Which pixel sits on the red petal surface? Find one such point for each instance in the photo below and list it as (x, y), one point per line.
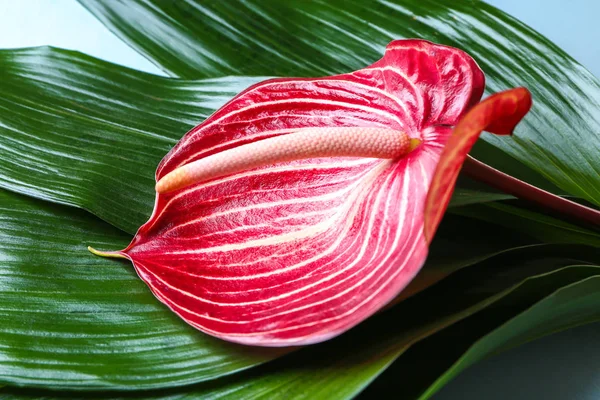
(298, 252)
(498, 114)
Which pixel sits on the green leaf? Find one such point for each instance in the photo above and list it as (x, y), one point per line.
(330, 371)
(194, 39)
(76, 305)
(462, 242)
(543, 227)
(72, 320)
(523, 315)
(80, 131)
(569, 306)
(473, 192)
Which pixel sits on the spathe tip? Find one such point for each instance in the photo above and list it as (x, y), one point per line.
(107, 254)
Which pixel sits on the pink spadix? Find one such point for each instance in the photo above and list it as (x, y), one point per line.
(305, 205)
(306, 143)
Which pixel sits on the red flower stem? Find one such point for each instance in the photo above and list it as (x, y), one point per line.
(522, 190)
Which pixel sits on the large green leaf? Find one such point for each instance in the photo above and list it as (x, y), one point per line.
(85, 132)
(71, 320)
(564, 298)
(570, 306)
(330, 371)
(560, 138)
(77, 305)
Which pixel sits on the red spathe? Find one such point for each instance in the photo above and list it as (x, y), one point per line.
(296, 253)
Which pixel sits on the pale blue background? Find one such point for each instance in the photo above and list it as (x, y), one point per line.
(564, 366)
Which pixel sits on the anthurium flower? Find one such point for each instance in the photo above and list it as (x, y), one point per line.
(303, 206)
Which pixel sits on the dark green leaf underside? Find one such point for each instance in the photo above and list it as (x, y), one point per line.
(570, 306)
(533, 223)
(541, 305)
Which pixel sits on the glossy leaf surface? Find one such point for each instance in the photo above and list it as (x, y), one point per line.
(75, 301)
(80, 131)
(70, 320)
(571, 290)
(192, 38)
(329, 371)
